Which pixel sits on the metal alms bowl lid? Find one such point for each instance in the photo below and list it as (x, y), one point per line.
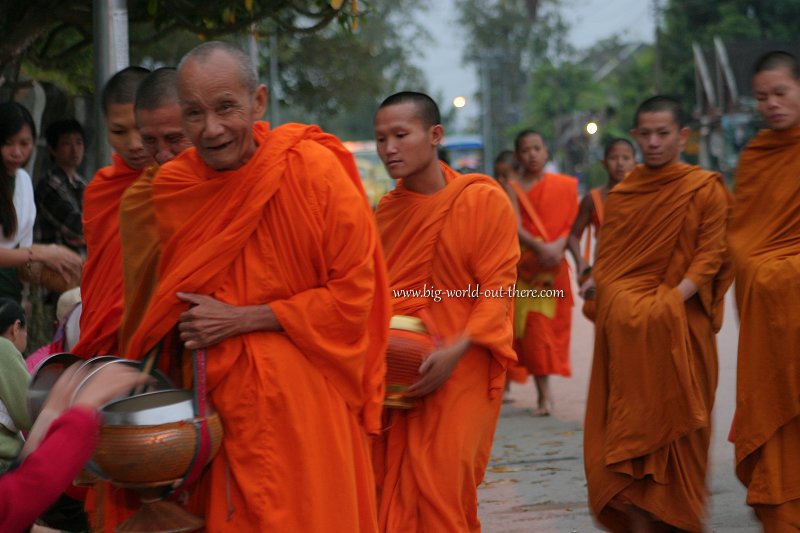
(150, 409)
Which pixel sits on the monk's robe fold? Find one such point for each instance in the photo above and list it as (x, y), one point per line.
(654, 374)
(544, 347)
(764, 236)
(101, 284)
(140, 252)
(431, 459)
(291, 228)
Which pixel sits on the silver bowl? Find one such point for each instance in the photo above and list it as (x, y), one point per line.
(150, 409)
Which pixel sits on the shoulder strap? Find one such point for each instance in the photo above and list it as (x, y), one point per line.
(527, 206)
(598, 204)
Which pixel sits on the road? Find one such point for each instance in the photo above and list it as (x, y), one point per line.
(536, 482)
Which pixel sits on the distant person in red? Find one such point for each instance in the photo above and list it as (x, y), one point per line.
(548, 204)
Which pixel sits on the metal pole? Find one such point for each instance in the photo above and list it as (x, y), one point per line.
(274, 81)
(110, 56)
(486, 107)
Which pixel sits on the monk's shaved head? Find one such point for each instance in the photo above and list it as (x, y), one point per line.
(205, 51)
(122, 87)
(775, 60)
(660, 103)
(525, 133)
(427, 110)
(507, 157)
(158, 89)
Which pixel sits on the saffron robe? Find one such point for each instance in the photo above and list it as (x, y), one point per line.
(764, 236)
(292, 229)
(101, 283)
(430, 459)
(544, 348)
(654, 372)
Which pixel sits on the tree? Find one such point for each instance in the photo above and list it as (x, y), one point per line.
(57, 34)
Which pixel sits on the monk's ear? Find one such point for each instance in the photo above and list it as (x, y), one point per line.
(437, 134)
(260, 101)
(684, 133)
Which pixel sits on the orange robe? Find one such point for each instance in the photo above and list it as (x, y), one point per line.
(101, 285)
(140, 252)
(544, 348)
(431, 459)
(291, 228)
(764, 236)
(654, 374)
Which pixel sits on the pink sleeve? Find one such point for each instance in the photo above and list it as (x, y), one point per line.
(28, 491)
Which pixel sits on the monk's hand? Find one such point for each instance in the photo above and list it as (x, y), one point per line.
(208, 321)
(550, 253)
(436, 369)
(687, 288)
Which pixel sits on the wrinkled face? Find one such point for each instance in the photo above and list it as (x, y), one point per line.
(68, 153)
(659, 137)
(17, 150)
(124, 137)
(405, 144)
(778, 96)
(162, 132)
(619, 161)
(218, 111)
(532, 153)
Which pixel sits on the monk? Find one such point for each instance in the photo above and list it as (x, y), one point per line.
(764, 237)
(548, 203)
(618, 160)
(101, 285)
(158, 117)
(450, 231)
(660, 277)
(260, 269)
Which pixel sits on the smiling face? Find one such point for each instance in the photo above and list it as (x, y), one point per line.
(162, 132)
(778, 94)
(660, 138)
(218, 110)
(17, 150)
(405, 144)
(124, 137)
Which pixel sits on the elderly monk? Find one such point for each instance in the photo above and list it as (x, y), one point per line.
(101, 285)
(618, 160)
(158, 116)
(271, 261)
(764, 236)
(450, 231)
(661, 274)
(548, 204)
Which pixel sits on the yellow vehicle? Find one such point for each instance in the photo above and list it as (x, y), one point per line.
(373, 174)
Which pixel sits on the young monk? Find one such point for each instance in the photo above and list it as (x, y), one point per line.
(660, 275)
(260, 267)
(764, 236)
(618, 160)
(101, 284)
(548, 203)
(158, 117)
(450, 231)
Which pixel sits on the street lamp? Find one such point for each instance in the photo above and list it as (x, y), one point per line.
(591, 128)
(459, 102)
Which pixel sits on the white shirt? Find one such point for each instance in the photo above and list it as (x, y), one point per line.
(25, 206)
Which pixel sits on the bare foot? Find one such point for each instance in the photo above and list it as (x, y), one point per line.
(540, 411)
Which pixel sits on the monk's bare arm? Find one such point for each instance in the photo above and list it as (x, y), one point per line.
(711, 246)
(210, 321)
(525, 238)
(578, 227)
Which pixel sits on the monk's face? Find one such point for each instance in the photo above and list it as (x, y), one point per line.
(124, 137)
(532, 153)
(619, 161)
(405, 144)
(162, 132)
(660, 138)
(504, 171)
(219, 110)
(778, 94)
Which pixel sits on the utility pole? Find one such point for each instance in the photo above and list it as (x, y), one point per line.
(657, 19)
(274, 81)
(110, 56)
(486, 119)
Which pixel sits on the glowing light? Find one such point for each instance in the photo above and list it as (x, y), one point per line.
(591, 128)
(459, 102)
